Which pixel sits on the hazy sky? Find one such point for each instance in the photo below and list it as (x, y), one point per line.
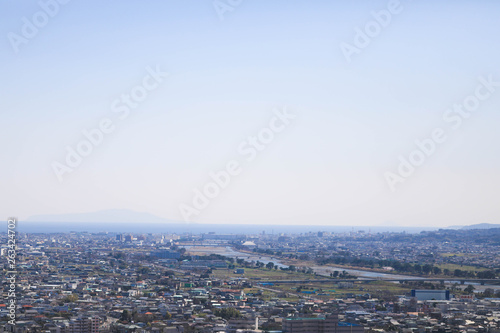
(230, 66)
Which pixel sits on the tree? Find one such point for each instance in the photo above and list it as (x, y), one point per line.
(270, 265)
(488, 292)
(70, 298)
(427, 268)
(486, 275)
(227, 313)
(470, 289)
(119, 255)
(143, 270)
(125, 316)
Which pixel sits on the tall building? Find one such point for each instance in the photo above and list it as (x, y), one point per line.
(427, 295)
(84, 325)
(330, 324)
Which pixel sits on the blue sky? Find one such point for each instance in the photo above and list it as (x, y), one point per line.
(353, 119)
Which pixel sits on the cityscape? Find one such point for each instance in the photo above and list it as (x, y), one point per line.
(433, 281)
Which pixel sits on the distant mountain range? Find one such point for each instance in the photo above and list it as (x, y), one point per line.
(103, 216)
(475, 226)
(126, 216)
(121, 219)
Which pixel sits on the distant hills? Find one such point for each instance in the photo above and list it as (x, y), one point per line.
(121, 220)
(475, 226)
(103, 216)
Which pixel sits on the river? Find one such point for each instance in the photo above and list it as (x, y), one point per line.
(320, 270)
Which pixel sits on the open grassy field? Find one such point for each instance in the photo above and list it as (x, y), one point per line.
(322, 290)
(452, 267)
(264, 274)
(452, 255)
(205, 250)
(327, 291)
(268, 295)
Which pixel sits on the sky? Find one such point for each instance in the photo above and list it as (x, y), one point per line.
(304, 112)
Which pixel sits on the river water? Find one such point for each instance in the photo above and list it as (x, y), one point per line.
(320, 270)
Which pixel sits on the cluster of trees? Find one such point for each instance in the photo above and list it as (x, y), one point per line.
(342, 275)
(227, 313)
(489, 292)
(478, 236)
(206, 257)
(271, 265)
(377, 263)
(70, 299)
(127, 316)
(404, 267)
(267, 251)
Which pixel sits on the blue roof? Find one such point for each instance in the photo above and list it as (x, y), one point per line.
(344, 324)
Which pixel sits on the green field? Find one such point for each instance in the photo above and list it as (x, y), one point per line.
(452, 255)
(452, 267)
(264, 274)
(332, 290)
(329, 289)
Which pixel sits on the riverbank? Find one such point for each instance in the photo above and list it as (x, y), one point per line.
(319, 270)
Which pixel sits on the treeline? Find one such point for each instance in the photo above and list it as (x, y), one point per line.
(477, 236)
(267, 251)
(412, 268)
(205, 257)
(342, 275)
